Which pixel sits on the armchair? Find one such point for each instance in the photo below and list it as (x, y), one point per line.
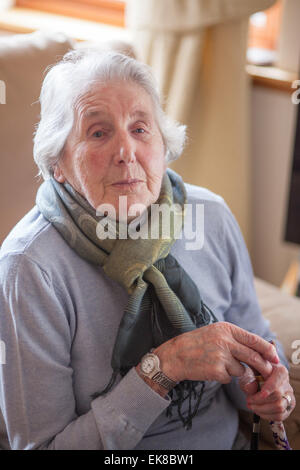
(23, 59)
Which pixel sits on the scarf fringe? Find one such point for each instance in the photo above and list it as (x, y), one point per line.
(190, 388)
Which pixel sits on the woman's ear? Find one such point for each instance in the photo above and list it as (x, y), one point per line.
(58, 174)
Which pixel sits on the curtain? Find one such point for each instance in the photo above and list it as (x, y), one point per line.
(197, 50)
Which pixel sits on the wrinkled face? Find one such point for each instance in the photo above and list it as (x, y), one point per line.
(115, 147)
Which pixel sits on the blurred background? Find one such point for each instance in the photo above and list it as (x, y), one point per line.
(227, 69)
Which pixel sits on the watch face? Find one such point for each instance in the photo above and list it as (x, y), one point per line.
(148, 364)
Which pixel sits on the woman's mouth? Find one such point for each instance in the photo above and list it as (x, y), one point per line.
(130, 183)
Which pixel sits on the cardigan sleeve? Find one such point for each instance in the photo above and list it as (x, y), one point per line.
(36, 391)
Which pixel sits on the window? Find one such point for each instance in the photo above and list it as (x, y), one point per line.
(264, 29)
(104, 11)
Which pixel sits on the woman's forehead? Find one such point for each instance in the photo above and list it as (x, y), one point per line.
(106, 100)
(91, 114)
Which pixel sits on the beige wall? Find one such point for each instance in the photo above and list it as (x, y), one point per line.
(273, 121)
(273, 127)
(289, 44)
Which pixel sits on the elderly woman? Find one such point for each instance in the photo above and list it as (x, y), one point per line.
(126, 341)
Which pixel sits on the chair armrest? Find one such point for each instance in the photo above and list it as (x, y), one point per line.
(283, 312)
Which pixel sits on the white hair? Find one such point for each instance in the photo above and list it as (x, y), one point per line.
(74, 76)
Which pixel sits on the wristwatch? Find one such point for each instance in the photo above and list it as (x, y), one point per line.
(150, 367)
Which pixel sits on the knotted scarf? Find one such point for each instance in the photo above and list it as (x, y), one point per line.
(163, 301)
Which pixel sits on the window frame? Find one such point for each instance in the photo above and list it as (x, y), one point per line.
(104, 11)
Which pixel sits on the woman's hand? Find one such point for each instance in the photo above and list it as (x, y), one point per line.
(269, 403)
(214, 352)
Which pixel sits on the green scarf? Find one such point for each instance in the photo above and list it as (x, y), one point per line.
(163, 301)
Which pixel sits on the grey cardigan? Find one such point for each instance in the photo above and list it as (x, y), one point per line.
(59, 317)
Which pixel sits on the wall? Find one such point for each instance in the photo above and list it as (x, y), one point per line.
(273, 131)
(289, 44)
(272, 139)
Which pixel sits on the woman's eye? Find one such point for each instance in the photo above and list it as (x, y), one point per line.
(139, 130)
(98, 134)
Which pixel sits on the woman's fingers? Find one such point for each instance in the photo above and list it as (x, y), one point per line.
(235, 368)
(276, 400)
(247, 382)
(275, 410)
(254, 342)
(251, 358)
(274, 386)
(279, 379)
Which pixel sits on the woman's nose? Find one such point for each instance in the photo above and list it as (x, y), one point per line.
(125, 150)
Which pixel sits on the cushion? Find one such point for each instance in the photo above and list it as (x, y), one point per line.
(23, 60)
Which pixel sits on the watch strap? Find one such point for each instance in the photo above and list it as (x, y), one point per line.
(160, 378)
